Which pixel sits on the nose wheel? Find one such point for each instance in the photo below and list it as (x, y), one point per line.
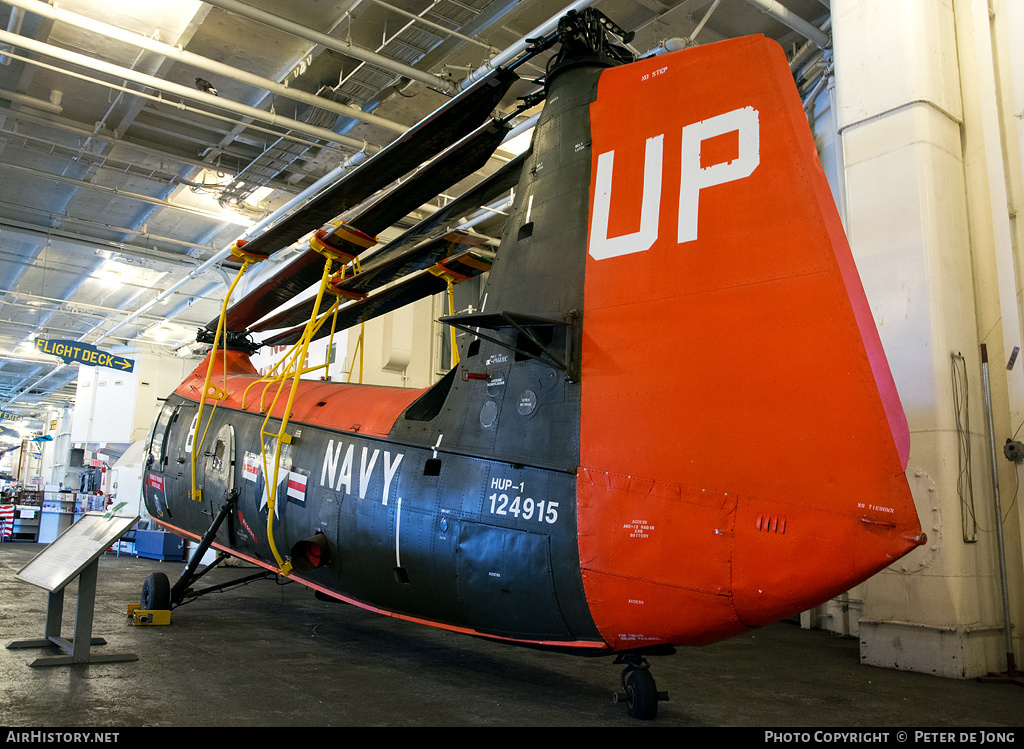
(639, 691)
(156, 593)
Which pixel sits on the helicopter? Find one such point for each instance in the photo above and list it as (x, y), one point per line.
(671, 420)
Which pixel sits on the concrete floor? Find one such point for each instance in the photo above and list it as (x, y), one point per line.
(272, 655)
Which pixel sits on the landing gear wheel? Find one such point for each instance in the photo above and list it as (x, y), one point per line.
(638, 689)
(156, 593)
(641, 695)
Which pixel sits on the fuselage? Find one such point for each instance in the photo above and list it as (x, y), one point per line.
(466, 542)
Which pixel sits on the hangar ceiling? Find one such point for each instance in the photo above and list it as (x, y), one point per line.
(139, 140)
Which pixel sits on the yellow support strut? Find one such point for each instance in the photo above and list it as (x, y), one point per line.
(299, 352)
(212, 391)
(451, 278)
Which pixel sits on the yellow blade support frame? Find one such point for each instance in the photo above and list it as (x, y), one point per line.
(297, 356)
(451, 278)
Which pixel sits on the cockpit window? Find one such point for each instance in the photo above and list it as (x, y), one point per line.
(158, 436)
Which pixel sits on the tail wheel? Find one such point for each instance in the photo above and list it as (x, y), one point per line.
(641, 695)
(156, 593)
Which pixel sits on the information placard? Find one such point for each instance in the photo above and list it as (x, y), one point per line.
(61, 561)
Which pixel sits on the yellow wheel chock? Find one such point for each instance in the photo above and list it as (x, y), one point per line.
(144, 616)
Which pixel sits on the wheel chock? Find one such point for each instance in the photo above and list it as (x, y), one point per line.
(144, 616)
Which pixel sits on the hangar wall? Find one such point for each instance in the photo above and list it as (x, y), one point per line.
(924, 94)
(119, 407)
(408, 348)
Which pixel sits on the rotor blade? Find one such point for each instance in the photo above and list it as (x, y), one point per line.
(444, 220)
(411, 289)
(287, 283)
(414, 240)
(450, 167)
(384, 270)
(446, 125)
(455, 163)
(373, 276)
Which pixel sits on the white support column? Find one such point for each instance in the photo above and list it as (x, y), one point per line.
(915, 229)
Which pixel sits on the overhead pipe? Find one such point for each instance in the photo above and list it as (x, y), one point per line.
(810, 56)
(159, 202)
(522, 45)
(190, 58)
(338, 45)
(11, 298)
(1011, 665)
(488, 211)
(784, 15)
(704, 20)
(812, 97)
(674, 44)
(97, 244)
(159, 98)
(678, 43)
(14, 26)
(809, 49)
(837, 150)
(31, 101)
(178, 90)
(522, 127)
(14, 399)
(436, 26)
(105, 136)
(15, 134)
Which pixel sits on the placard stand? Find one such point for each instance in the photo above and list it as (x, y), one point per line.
(75, 553)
